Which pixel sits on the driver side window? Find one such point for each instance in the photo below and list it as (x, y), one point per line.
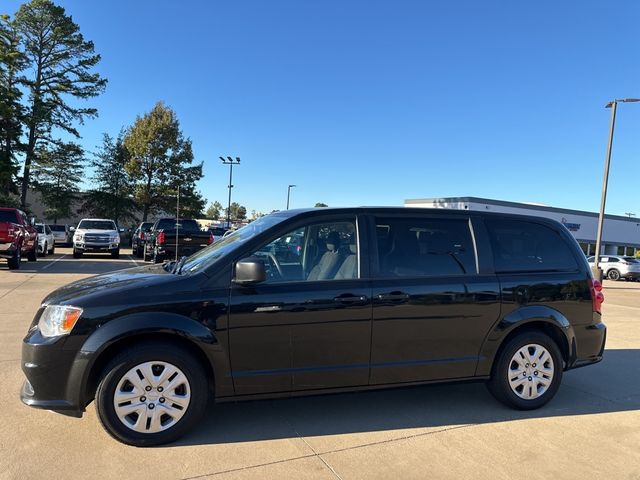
(316, 252)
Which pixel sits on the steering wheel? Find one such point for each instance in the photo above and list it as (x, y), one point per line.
(273, 261)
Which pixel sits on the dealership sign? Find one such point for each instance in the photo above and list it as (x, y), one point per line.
(573, 227)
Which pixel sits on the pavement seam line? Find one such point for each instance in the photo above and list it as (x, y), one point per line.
(318, 455)
(338, 450)
(54, 262)
(18, 286)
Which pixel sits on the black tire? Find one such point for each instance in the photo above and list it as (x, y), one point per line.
(53, 249)
(14, 262)
(32, 256)
(44, 250)
(77, 253)
(115, 253)
(499, 383)
(136, 355)
(613, 274)
(157, 258)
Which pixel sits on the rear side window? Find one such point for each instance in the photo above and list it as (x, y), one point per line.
(520, 246)
(8, 216)
(418, 247)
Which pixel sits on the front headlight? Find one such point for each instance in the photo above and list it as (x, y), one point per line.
(58, 320)
(78, 237)
(115, 239)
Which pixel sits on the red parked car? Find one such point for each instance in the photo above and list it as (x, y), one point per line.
(18, 237)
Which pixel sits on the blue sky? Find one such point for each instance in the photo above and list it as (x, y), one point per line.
(370, 103)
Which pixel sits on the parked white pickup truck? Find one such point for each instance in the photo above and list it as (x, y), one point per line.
(96, 235)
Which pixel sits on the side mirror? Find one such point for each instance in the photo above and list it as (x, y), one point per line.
(250, 270)
(32, 221)
(72, 229)
(121, 230)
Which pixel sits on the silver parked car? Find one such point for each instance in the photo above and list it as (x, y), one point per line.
(62, 234)
(615, 267)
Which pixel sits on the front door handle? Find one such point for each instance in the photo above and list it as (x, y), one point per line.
(392, 297)
(350, 299)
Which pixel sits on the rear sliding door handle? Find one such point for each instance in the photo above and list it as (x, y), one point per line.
(351, 299)
(392, 297)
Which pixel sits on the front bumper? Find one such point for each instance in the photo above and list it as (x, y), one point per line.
(7, 250)
(51, 372)
(96, 247)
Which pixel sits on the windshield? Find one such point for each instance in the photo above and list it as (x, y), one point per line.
(97, 225)
(57, 228)
(208, 256)
(146, 226)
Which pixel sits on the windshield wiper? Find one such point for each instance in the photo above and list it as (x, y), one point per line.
(178, 266)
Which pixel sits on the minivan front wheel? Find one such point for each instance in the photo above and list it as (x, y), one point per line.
(527, 372)
(151, 394)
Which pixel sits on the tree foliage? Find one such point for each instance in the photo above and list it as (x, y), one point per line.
(238, 212)
(112, 192)
(320, 205)
(12, 62)
(60, 64)
(214, 211)
(159, 160)
(56, 176)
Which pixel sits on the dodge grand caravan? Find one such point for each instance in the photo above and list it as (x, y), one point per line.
(368, 298)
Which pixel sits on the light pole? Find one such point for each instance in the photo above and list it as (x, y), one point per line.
(289, 194)
(229, 161)
(629, 214)
(177, 220)
(597, 271)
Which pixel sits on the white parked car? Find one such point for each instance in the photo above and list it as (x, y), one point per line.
(616, 267)
(96, 235)
(46, 241)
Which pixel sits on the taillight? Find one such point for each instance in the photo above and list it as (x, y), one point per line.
(211, 238)
(160, 238)
(11, 234)
(597, 297)
(141, 235)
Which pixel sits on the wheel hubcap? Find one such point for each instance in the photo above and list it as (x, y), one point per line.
(531, 371)
(152, 397)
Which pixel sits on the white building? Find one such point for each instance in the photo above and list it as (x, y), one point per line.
(620, 235)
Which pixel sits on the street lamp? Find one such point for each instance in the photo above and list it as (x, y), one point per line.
(289, 194)
(229, 161)
(597, 271)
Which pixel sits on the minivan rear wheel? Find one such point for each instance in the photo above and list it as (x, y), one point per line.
(151, 394)
(527, 372)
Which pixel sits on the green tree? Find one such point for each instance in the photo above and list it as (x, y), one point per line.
(12, 62)
(159, 161)
(57, 174)
(112, 192)
(238, 212)
(320, 205)
(214, 210)
(60, 66)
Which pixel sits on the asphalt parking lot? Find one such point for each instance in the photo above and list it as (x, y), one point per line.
(590, 430)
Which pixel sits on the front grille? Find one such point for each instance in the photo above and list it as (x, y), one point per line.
(95, 238)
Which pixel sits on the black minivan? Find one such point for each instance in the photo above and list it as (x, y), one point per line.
(316, 301)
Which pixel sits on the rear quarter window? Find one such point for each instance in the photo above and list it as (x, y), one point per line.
(8, 216)
(521, 246)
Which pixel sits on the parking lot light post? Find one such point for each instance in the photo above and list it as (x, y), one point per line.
(229, 161)
(289, 194)
(597, 271)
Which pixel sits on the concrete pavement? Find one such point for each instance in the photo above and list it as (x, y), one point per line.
(590, 430)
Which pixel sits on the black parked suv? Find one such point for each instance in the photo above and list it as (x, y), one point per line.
(366, 297)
